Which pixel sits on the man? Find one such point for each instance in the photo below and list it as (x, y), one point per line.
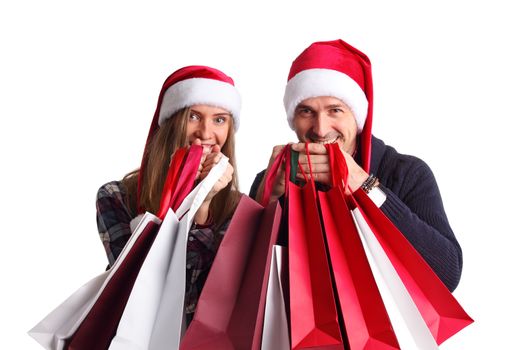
(329, 98)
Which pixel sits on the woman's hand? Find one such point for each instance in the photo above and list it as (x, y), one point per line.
(209, 160)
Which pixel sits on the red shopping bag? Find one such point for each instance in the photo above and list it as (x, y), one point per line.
(364, 319)
(230, 310)
(186, 179)
(443, 315)
(313, 313)
(100, 325)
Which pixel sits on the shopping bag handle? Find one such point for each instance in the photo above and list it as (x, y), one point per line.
(290, 158)
(339, 172)
(192, 202)
(271, 175)
(338, 167)
(309, 181)
(294, 165)
(187, 176)
(180, 178)
(171, 179)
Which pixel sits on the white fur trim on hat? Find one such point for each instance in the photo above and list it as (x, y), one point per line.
(325, 82)
(195, 91)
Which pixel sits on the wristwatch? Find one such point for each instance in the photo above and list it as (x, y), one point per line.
(371, 187)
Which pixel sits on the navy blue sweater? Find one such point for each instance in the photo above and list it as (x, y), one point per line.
(414, 205)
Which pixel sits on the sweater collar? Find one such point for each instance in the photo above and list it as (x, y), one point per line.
(378, 150)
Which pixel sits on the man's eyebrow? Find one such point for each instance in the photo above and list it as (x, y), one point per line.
(300, 105)
(337, 105)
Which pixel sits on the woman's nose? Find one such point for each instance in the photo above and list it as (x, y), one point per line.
(204, 130)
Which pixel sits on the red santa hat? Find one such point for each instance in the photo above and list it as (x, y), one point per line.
(189, 86)
(194, 85)
(336, 69)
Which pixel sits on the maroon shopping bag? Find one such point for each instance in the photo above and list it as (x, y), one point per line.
(230, 310)
(100, 325)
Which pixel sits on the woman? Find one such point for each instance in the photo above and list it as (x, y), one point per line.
(197, 105)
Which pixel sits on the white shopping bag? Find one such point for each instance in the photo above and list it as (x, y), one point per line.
(409, 326)
(154, 314)
(64, 320)
(275, 326)
(139, 314)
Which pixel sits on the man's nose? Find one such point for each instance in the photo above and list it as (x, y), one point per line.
(321, 126)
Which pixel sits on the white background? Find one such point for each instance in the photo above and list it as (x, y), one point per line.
(79, 83)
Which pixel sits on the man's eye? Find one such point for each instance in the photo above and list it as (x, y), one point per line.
(305, 111)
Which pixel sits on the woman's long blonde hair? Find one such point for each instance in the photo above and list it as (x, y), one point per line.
(171, 136)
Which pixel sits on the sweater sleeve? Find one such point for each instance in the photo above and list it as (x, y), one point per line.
(113, 219)
(256, 183)
(415, 206)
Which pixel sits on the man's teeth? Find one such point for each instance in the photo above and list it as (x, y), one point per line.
(328, 141)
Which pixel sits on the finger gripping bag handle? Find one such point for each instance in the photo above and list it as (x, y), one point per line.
(291, 160)
(292, 167)
(339, 172)
(310, 181)
(271, 175)
(338, 167)
(192, 202)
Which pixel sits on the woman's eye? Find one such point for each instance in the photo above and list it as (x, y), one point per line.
(194, 117)
(221, 119)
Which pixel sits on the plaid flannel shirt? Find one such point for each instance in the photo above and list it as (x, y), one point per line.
(113, 220)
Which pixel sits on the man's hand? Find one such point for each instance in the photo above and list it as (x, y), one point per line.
(320, 162)
(278, 186)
